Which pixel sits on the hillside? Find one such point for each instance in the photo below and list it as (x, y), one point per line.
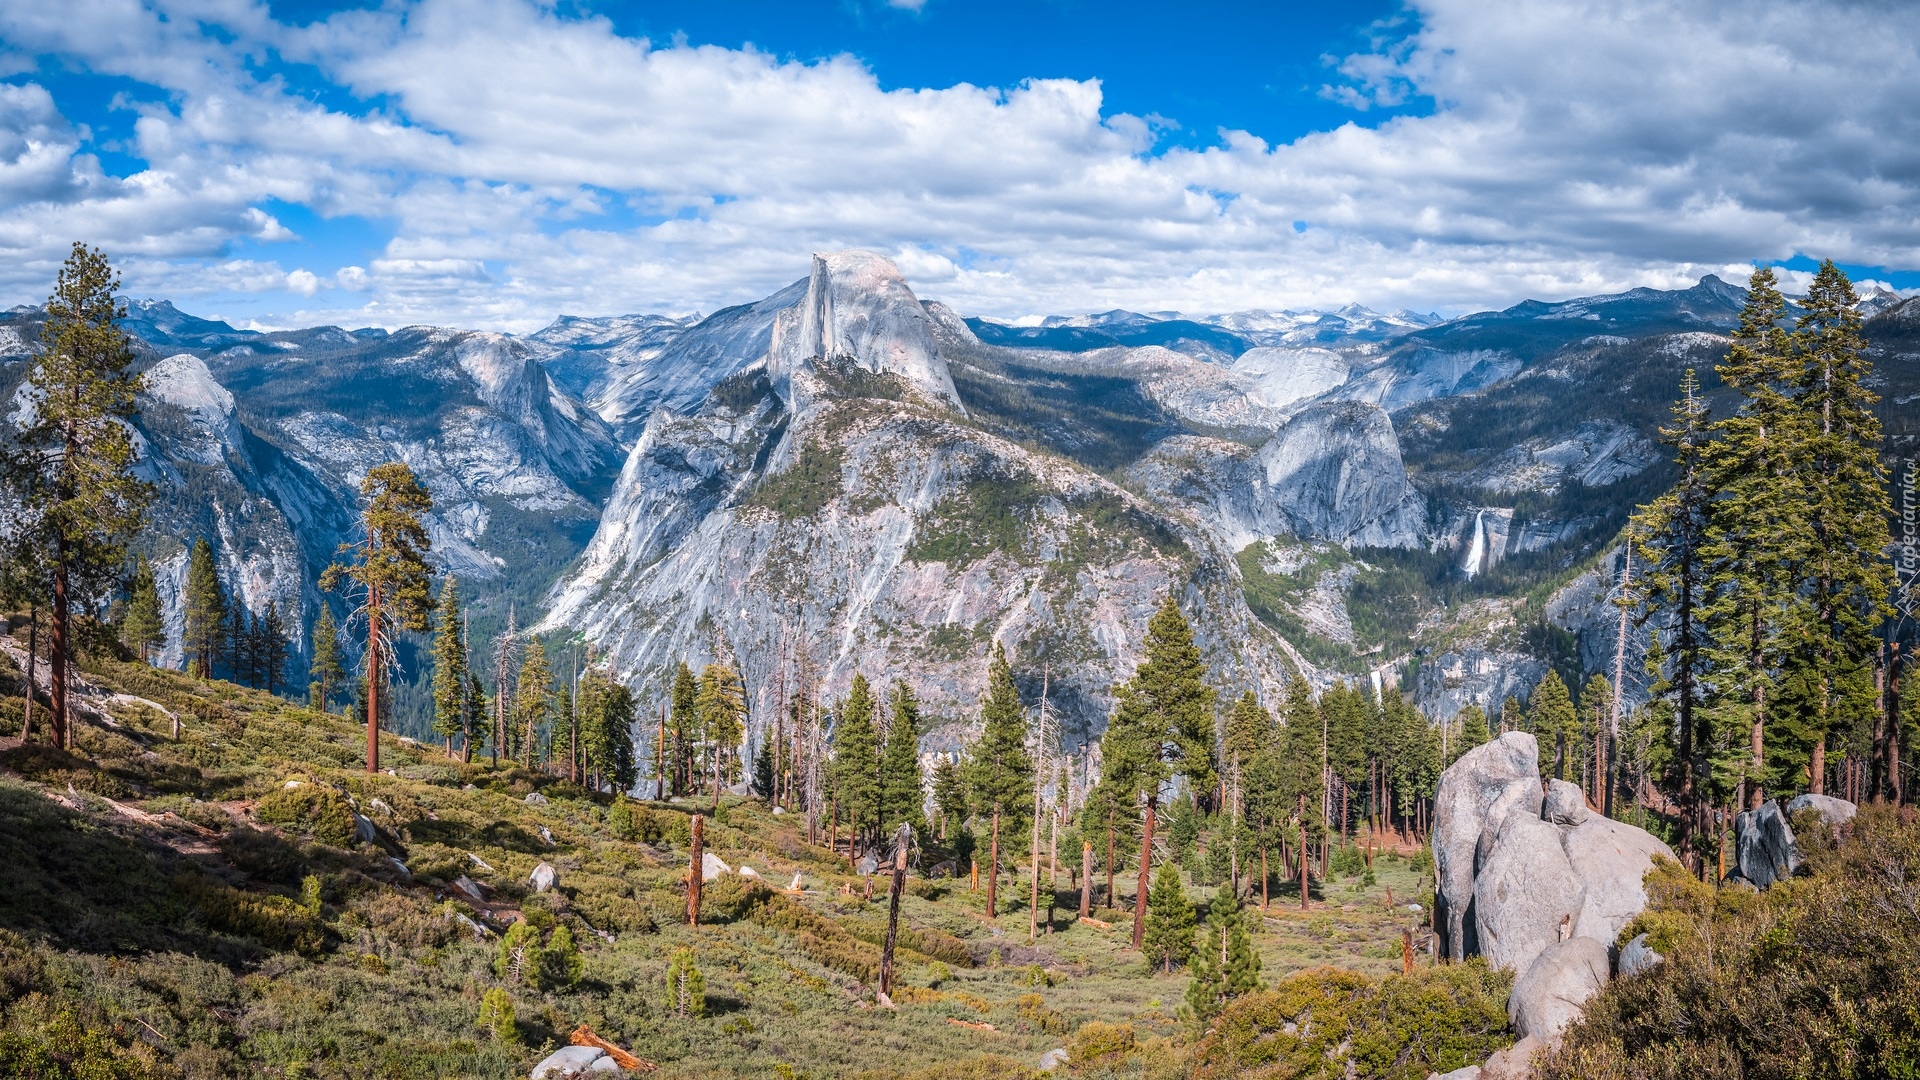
(200, 906)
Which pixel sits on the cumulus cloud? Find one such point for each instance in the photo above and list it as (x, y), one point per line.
(533, 162)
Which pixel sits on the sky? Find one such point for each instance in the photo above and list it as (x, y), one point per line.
(495, 163)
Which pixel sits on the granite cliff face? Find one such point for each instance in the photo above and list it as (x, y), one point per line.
(832, 506)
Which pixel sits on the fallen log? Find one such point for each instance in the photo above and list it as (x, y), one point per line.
(584, 1036)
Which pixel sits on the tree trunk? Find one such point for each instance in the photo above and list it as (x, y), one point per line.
(57, 650)
(694, 875)
(373, 680)
(1086, 878)
(1817, 768)
(901, 838)
(993, 868)
(1033, 899)
(1263, 877)
(1146, 869)
(33, 643)
(1111, 903)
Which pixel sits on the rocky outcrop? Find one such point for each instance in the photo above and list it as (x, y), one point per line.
(1501, 774)
(1556, 986)
(1637, 956)
(1549, 884)
(1335, 473)
(1835, 812)
(1764, 846)
(572, 1061)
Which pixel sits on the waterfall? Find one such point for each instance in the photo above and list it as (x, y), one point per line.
(1477, 550)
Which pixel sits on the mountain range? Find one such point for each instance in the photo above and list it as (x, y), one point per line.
(844, 477)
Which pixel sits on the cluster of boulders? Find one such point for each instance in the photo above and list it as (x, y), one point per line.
(1534, 880)
(1537, 882)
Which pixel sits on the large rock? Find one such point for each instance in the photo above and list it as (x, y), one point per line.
(1527, 895)
(712, 866)
(1498, 772)
(1513, 1063)
(1565, 803)
(1465, 1072)
(574, 1061)
(1835, 812)
(544, 877)
(1556, 986)
(1764, 843)
(1637, 956)
(1611, 859)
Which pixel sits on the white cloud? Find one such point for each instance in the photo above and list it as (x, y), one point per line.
(1575, 146)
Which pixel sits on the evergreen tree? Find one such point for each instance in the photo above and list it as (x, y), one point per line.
(1596, 709)
(534, 708)
(328, 673)
(392, 572)
(1554, 720)
(616, 723)
(901, 791)
(1162, 726)
(273, 646)
(763, 770)
(236, 628)
(999, 770)
(142, 630)
(1756, 530)
(68, 470)
(1169, 926)
(1472, 724)
(949, 794)
(1226, 964)
(722, 702)
(1512, 717)
(686, 987)
(1846, 578)
(205, 611)
(1670, 536)
(449, 667)
(1249, 729)
(856, 761)
(477, 716)
(683, 726)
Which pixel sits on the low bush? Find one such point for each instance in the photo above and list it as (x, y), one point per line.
(1330, 1022)
(314, 809)
(1813, 977)
(277, 922)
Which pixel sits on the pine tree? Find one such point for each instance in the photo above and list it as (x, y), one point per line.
(1472, 723)
(1553, 718)
(901, 791)
(1226, 964)
(1596, 708)
(142, 630)
(328, 673)
(1512, 717)
(999, 770)
(684, 726)
(1162, 726)
(1756, 529)
(856, 761)
(235, 629)
(1169, 927)
(206, 609)
(616, 725)
(949, 795)
(534, 705)
(273, 646)
(686, 987)
(1846, 578)
(477, 715)
(449, 667)
(1670, 536)
(722, 701)
(763, 770)
(392, 572)
(69, 468)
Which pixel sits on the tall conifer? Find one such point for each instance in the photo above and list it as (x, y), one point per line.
(449, 667)
(999, 770)
(856, 761)
(901, 789)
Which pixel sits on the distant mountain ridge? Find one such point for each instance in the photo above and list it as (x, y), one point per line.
(844, 468)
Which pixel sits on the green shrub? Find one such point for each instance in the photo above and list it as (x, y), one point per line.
(686, 987)
(496, 1016)
(262, 855)
(314, 809)
(560, 962)
(274, 921)
(1330, 1021)
(1813, 977)
(730, 897)
(1096, 1043)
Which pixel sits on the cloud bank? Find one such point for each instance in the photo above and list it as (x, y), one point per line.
(521, 163)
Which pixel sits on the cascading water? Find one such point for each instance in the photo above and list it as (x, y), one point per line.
(1476, 551)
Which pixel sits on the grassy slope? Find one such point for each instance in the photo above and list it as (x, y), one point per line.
(179, 935)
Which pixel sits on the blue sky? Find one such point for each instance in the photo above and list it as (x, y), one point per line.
(497, 162)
